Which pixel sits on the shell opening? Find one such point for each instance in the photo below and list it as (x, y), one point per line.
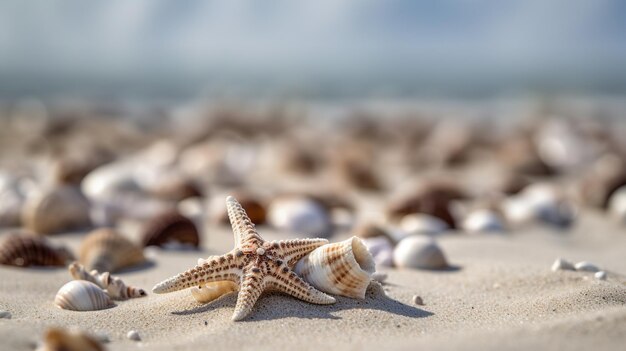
(362, 255)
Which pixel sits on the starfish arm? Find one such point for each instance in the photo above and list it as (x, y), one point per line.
(294, 250)
(286, 281)
(243, 228)
(216, 268)
(252, 285)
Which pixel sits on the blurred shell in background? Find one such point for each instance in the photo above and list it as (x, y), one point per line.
(106, 250)
(170, 228)
(617, 204)
(24, 250)
(299, 216)
(354, 165)
(379, 243)
(57, 339)
(55, 210)
(253, 205)
(419, 223)
(540, 202)
(344, 268)
(12, 199)
(418, 251)
(81, 295)
(482, 221)
(607, 175)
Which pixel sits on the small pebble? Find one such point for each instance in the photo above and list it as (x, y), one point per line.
(379, 277)
(586, 267)
(561, 264)
(418, 300)
(5, 314)
(133, 335)
(601, 275)
(103, 337)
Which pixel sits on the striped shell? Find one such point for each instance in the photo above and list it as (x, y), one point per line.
(114, 286)
(23, 250)
(170, 227)
(56, 210)
(344, 268)
(106, 250)
(56, 339)
(81, 295)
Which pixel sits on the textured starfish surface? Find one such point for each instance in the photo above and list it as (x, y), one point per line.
(255, 264)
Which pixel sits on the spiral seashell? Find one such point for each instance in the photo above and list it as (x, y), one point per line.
(418, 251)
(57, 339)
(56, 210)
(300, 216)
(114, 286)
(344, 268)
(24, 250)
(105, 250)
(170, 227)
(81, 295)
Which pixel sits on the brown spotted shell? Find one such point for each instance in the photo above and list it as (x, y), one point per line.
(106, 250)
(23, 250)
(57, 339)
(56, 210)
(170, 227)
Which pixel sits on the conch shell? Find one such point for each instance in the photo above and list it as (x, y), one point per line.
(81, 295)
(23, 250)
(105, 250)
(57, 339)
(56, 210)
(114, 286)
(344, 268)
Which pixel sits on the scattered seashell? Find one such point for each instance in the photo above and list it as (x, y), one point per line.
(585, 266)
(342, 268)
(381, 250)
(81, 295)
(540, 202)
(379, 277)
(5, 314)
(105, 250)
(417, 300)
(368, 231)
(211, 291)
(561, 264)
(251, 203)
(605, 176)
(601, 275)
(419, 223)
(23, 250)
(114, 286)
(57, 339)
(299, 216)
(419, 252)
(12, 199)
(617, 204)
(484, 220)
(133, 335)
(170, 227)
(56, 210)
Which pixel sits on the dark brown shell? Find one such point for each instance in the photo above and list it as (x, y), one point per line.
(254, 206)
(169, 227)
(23, 250)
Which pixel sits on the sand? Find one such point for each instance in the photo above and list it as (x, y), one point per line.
(500, 294)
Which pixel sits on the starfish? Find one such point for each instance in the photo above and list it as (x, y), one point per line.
(254, 264)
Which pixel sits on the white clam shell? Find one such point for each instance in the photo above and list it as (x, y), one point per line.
(299, 216)
(81, 295)
(483, 220)
(344, 268)
(420, 223)
(617, 204)
(418, 251)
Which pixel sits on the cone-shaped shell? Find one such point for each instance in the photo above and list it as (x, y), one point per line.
(170, 227)
(25, 250)
(105, 250)
(56, 210)
(81, 295)
(418, 251)
(114, 286)
(344, 268)
(56, 339)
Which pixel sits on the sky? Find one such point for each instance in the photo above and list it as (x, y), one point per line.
(316, 48)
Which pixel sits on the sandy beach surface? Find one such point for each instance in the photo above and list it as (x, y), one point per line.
(500, 293)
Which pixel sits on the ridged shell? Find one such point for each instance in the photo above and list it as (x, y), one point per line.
(57, 339)
(56, 210)
(418, 251)
(24, 250)
(344, 268)
(300, 216)
(114, 286)
(81, 295)
(106, 250)
(170, 227)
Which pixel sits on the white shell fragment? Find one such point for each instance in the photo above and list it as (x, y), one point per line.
(586, 267)
(344, 268)
(5, 314)
(133, 335)
(301, 216)
(418, 251)
(601, 275)
(81, 295)
(419, 223)
(561, 264)
(483, 221)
